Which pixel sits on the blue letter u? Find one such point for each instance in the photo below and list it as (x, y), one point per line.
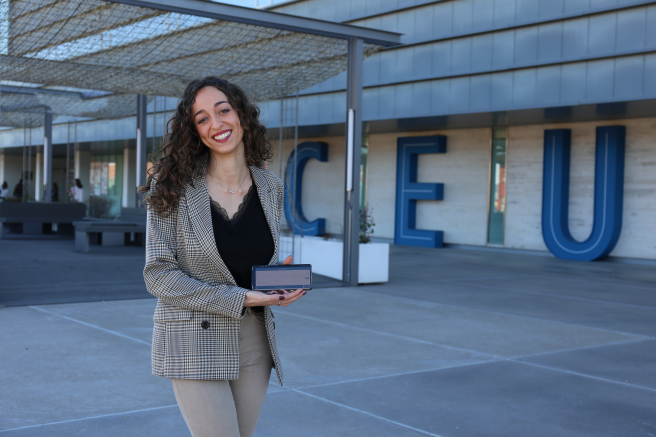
(608, 194)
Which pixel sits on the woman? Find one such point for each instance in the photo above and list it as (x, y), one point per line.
(54, 193)
(213, 213)
(4, 190)
(78, 191)
(18, 189)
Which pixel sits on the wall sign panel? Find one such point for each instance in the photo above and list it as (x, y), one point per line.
(608, 194)
(408, 190)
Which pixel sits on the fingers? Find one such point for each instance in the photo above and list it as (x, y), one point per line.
(285, 298)
(288, 260)
(292, 297)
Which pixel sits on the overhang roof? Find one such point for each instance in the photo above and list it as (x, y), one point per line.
(156, 47)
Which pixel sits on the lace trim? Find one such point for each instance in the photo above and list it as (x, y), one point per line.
(221, 210)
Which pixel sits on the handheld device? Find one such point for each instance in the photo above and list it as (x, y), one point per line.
(282, 277)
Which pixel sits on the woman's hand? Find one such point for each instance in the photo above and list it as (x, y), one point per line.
(276, 297)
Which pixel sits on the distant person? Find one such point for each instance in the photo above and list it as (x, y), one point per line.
(54, 193)
(78, 191)
(18, 190)
(4, 190)
(213, 213)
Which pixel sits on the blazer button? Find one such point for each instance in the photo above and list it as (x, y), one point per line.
(205, 324)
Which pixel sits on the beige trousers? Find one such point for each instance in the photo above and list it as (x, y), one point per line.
(230, 408)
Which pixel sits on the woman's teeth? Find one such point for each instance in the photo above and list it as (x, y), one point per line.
(223, 136)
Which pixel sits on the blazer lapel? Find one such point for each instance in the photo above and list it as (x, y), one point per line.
(264, 193)
(198, 203)
(200, 215)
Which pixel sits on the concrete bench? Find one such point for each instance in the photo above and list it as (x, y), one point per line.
(134, 215)
(35, 217)
(113, 233)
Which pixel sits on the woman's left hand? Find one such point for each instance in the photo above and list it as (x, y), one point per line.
(290, 296)
(278, 297)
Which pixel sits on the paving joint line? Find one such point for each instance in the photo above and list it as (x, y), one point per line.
(615, 343)
(88, 418)
(571, 372)
(496, 358)
(585, 299)
(391, 375)
(506, 314)
(402, 337)
(66, 285)
(601, 283)
(90, 325)
(367, 413)
(426, 279)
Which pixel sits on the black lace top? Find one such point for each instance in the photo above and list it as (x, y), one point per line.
(245, 239)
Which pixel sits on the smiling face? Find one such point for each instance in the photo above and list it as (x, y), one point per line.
(217, 123)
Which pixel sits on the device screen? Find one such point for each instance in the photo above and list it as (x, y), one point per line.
(282, 277)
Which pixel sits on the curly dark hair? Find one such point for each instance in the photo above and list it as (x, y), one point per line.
(182, 154)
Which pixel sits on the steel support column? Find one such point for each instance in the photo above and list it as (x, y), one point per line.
(142, 157)
(47, 158)
(353, 150)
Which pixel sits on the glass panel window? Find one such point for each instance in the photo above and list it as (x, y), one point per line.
(497, 187)
(111, 178)
(363, 171)
(106, 184)
(104, 172)
(96, 177)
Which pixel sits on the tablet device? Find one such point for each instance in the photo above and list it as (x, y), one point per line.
(282, 277)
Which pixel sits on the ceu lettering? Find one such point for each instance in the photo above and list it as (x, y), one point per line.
(294, 185)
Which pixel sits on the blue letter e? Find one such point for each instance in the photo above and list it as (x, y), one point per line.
(408, 190)
(608, 194)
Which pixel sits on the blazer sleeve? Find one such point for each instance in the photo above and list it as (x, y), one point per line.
(281, 200)
(165, 280)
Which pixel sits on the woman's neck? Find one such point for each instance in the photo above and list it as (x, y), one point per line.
(229, 170)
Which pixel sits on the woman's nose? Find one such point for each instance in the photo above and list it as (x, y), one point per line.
(216, 122)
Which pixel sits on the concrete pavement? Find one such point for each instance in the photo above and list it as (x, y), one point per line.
(458, 343)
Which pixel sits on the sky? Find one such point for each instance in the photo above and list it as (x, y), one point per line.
(248, 3)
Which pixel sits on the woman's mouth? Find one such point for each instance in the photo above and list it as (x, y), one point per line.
(222, 136)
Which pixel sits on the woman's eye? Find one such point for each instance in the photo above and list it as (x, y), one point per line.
(224, 111)
(202, 120)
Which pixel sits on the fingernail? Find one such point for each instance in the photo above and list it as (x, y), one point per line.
(282, 298)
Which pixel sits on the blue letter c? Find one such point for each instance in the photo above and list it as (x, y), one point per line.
(294, 181)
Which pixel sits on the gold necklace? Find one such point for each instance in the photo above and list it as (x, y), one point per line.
(228, 189)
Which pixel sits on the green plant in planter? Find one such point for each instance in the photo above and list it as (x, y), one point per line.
(366, 224)
(100, 207)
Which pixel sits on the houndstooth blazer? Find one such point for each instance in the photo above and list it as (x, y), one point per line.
(193, 285)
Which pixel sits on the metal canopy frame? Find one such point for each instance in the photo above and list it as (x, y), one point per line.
(357, 40)
(106, 50)
(356, 37)
(275, 20)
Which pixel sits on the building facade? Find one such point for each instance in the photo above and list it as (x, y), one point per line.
(494, 77)
(470, 100)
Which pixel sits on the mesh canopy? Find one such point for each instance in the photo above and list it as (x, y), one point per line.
(125, 50)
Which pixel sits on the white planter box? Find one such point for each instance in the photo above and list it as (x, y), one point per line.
(326, 257)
